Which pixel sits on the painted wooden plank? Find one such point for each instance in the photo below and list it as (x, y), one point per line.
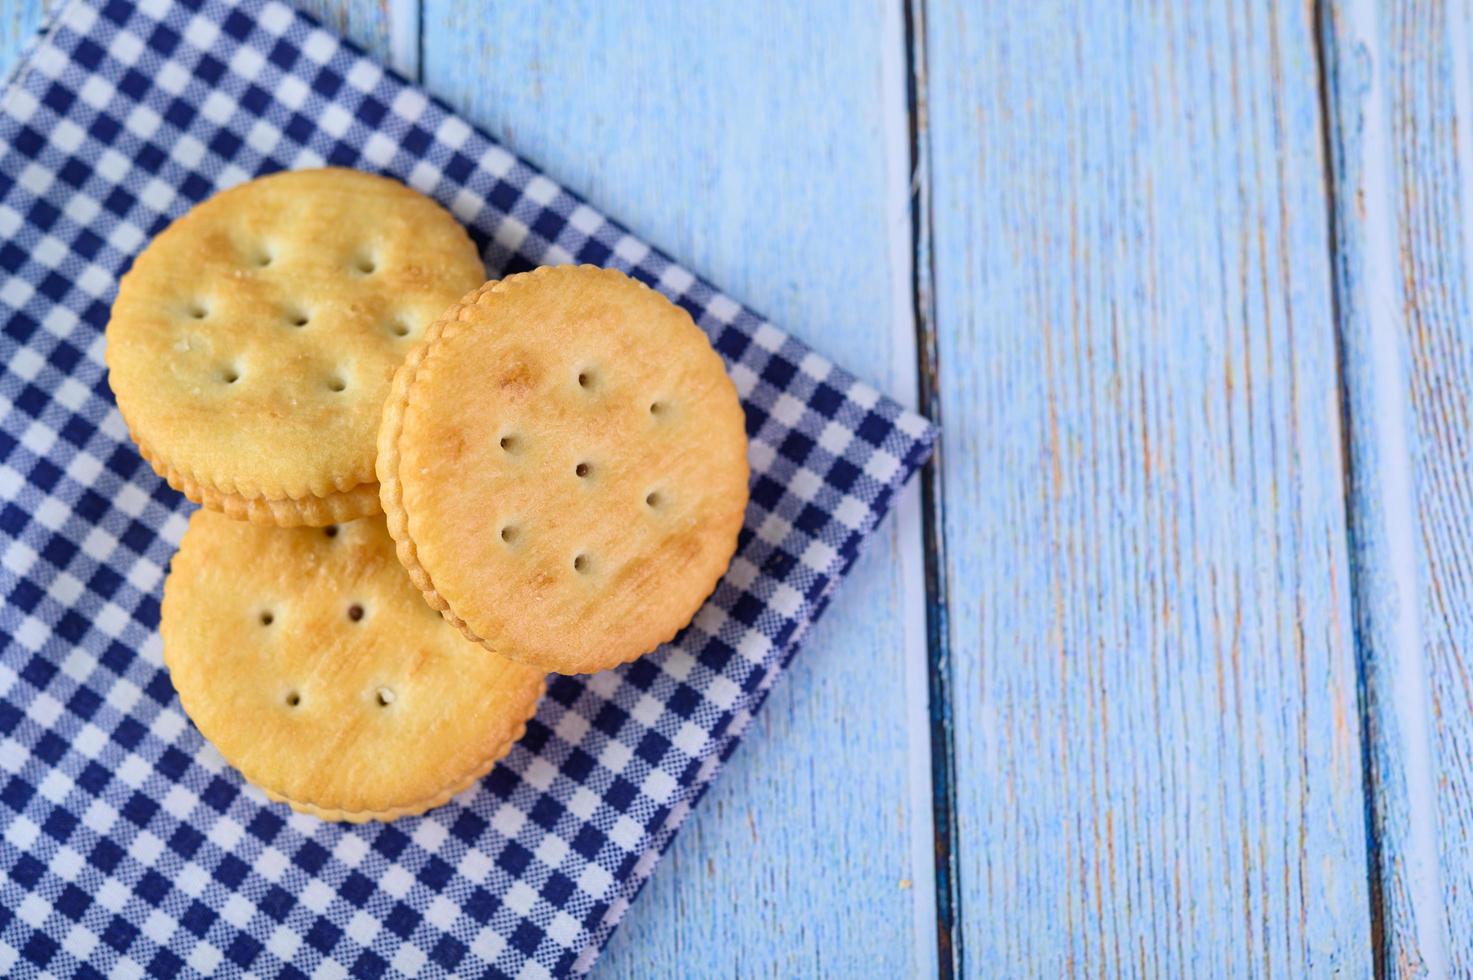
(18, 23)
(762, 143)
(1401, 92)
(1159, 766)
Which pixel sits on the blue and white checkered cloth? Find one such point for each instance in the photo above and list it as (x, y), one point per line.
(127, 846)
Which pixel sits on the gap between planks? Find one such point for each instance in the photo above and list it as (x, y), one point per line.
(1399, 767)
(947, 900)
(898, 114)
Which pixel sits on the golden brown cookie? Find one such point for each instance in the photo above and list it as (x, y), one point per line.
(563, 462)
(313, 664)
(251, 345)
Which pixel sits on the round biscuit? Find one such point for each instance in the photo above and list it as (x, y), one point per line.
(563, 462)
(251, 345)
(308, 658)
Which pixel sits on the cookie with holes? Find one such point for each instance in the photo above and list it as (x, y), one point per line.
(563, 462)
(313, 664)
(252, 343)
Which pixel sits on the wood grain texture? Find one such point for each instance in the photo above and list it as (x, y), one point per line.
(1399, 90)
(18, 23)
(1158, 749)
(750, 140)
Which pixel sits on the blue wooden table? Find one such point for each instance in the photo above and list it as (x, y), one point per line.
(1167, 668)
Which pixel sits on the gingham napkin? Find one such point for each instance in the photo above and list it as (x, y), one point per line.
(127, 846)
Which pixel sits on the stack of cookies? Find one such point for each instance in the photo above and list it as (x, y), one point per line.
(420, 492)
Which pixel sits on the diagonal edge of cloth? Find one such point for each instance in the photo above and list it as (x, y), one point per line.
(125, 840)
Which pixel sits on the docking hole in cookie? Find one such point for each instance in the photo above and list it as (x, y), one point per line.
(564, 463)
(301, 703)
(298, 276)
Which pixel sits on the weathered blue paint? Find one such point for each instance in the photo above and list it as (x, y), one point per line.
(1401, 109)
(1159, 767)
(18, 23)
